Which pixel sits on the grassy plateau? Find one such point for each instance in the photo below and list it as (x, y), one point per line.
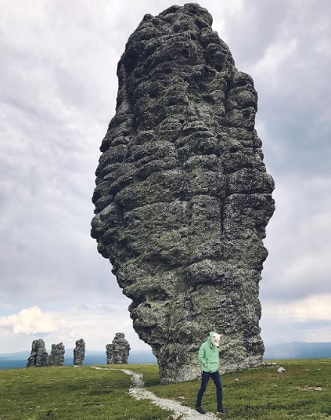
(302, 392)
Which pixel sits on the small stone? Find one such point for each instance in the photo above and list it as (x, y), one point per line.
(175, 416)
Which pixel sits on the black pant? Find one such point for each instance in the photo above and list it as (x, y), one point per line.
(216, 377)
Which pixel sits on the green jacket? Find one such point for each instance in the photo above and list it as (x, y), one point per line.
(209, 356)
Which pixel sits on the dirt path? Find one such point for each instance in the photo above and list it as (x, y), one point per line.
(138, 392)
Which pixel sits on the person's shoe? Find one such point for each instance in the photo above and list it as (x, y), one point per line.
(200, 410)
(222, 410)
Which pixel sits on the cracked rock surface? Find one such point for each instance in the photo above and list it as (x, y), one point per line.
(38, 356)
(56, 358)
(182, 195)
(118, 351)
(79, 352)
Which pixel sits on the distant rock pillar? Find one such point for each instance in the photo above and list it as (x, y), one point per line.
(56, 358)
(118, 351)
(109, 353)
(38, 356)
(79, 352)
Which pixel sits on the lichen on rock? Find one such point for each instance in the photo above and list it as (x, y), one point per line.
(118, 351)
(38, 356)
(79, 352)
(182, 195)
(56, 358)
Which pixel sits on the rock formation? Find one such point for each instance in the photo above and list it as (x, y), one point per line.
(79, 352)
(109, 354)
(182, 195)
(56, 358)
(38, 356)
(118, 351)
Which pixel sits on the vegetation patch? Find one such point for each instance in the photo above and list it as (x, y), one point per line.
(301, 392)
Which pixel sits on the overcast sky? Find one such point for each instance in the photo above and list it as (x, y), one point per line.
(58, 89)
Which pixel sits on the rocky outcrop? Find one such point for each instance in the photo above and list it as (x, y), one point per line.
(38, 356)
(118, 351)
(109, 354)
(56, 358)
(79, 352)
(182, 195)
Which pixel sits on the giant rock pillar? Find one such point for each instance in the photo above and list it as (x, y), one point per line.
(182, 195)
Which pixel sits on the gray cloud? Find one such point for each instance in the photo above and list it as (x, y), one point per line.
(58, 94)
(298, 265)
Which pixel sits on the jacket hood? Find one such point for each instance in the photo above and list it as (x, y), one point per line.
(210, 343)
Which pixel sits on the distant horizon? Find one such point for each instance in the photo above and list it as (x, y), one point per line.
(280, 351)
(71, 349)
(149, 350)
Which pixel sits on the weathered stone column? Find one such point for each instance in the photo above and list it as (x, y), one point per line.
(182, 195)
(109, 353)
(38, 356)
(56, 358)
(79, 352)
(118, 351)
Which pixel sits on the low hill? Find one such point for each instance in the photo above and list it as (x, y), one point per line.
(298, 350)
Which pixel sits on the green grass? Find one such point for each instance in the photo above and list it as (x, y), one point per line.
(72, 393)
(302, 392)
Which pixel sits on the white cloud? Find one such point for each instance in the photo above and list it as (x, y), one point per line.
(30, 321)
(311, 308)
(298, 235)
(96, 323)
(307, 320)
(318, 334)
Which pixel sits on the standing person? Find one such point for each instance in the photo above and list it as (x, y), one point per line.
(210, 361)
